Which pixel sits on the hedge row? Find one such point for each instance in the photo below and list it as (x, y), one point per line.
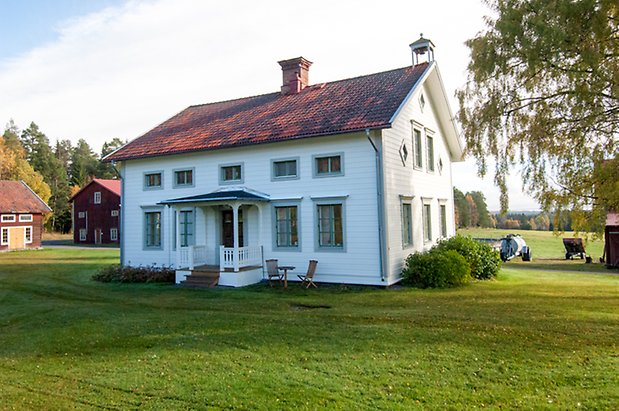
(118, 274)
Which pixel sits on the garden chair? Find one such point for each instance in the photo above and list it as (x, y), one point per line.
(308, 278)
(273, 272)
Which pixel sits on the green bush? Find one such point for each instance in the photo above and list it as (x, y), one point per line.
(485, 262)
(118, 274)
(436, 269)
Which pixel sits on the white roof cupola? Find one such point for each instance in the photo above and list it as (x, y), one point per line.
(420, 48)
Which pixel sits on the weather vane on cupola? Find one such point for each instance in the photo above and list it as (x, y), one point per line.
(420, 48)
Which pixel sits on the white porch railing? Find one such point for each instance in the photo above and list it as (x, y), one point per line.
(243, 257)
(191, 256)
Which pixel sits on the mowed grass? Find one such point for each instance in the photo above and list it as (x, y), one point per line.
(532, 339)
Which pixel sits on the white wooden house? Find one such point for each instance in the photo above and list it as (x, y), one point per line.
(353, 173)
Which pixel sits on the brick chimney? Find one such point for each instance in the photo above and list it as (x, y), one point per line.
(295, 75)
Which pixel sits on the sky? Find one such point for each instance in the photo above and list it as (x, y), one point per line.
(100, 69)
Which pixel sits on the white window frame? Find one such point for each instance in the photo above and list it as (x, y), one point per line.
(329, 173)
(97, 197)
(430, 152)
(240, 180)
(25, 218)
(275, 177)
(417, 149)
(81, 214)
(2, 233)
(114, 213)
(175, 173)
(26, 239)
(83, 234)
(8, 218)
(188, 235)
(406, 201)
(426, 216)
(114, 234)
(442, 218)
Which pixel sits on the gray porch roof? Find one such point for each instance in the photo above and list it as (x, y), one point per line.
(217, 196)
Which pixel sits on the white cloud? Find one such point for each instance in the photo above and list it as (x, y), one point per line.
(123, 70)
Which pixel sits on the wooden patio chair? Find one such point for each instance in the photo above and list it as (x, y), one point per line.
(273, 272)
(308, 278)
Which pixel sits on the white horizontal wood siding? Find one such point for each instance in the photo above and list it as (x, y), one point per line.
(358, 264)
(420, 184)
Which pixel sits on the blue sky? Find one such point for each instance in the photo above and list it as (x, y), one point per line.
(26, 24)
(99, 69)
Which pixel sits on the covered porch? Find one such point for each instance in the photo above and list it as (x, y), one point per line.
(220, 229)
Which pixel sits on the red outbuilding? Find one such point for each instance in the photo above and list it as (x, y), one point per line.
(96, 213)
(21, 216)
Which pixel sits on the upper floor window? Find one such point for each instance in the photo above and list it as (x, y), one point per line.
(285, 169)
(8, 218)
(81, 214)
(152, 180)
(232, 173)
(97, 198)
(25, 217)
(418, 157)
(183, 178)
(114, 213)
(430, 151)
(328, 165)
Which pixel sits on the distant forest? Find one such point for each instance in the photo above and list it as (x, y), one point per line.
(54, 172)
(471, 210)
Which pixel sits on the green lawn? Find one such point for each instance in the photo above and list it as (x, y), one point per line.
(533, 339)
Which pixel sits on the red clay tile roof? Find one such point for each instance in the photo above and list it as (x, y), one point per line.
(323, 109)
(17, 197)
(111, 185)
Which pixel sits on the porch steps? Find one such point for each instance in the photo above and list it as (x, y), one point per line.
(202, 277)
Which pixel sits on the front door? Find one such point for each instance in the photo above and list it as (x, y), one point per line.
(227, 228)
(17, 239)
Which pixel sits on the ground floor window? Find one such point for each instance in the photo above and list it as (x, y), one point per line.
(82, 234)
(5, 236)
(286, 226)
(186, 228)
(113, 234)
(407, 225)
(427, 222)
(330, 226)
(443, 220)
(28, 235)
(152, 229)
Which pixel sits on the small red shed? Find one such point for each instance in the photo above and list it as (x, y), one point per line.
(96, 212)
(611, 243)
(21, 216)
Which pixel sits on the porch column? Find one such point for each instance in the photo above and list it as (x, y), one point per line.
(235, 225)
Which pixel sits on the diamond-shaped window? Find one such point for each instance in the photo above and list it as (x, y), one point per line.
(403, 152)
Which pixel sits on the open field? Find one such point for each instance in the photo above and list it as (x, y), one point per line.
(533, 339)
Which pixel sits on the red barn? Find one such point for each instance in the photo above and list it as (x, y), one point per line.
(21, 216)
(96, 212)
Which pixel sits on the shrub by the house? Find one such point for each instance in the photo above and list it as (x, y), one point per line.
(118, 274)
(485, 262)
(436, 269)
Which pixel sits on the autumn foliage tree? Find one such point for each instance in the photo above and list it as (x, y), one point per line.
(543, 93)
